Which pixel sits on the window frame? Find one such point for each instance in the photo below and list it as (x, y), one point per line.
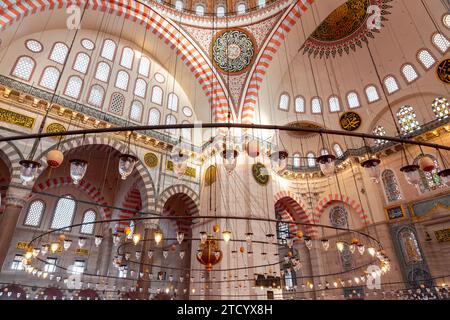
(145, 88)
(73, 214)
(117, 77)
(93, 224)
(32, 69)
(42, 214)
(89, 95)
(75, 61)
(384, 186)
(435, 46)
(149, 113)
(115, 50)
(404, 76)
(295, 104)
(357, 97)
(396, 81)
(420, 61)
(53, 48)
(31, 39)
(338, 101)
(320, 104)
(81, 88)
(110, 100)
(132, 58)
(367, 96)
(288, 101)
(42, 77)
(131, 108)
(162, 96)
(109, 73)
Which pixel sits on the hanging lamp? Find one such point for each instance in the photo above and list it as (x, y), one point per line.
(278, 161)
(445, 173)
(77, 170)
(327, 164)
(28, 170)
(410, 171)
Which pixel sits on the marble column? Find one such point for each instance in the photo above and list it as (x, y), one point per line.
(15, 200)
(148, 243)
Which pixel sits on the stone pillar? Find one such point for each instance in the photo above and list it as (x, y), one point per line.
(106, 251)
(15, 200)
(147, 244)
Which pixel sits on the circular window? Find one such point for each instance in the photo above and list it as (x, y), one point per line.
(446, 20)
(159, 77)
(34, 46)
(87, 44)
(187, 111)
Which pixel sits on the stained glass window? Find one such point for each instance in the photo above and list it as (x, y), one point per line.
(282, 230)
(127, 58)
(441, 108)
(122, 80)
(299, 104)
(96, 96)
(89, 216)
(73, 88)
(372, 94)
(172, 102)
(117, 103)
(391, 84)
(391, 187)
(284, 102)
(446, 20)
(333, 104)
(407, 119)
(311, 160)
(441, 42)
(296, 161)
(426, 58)
(140, 88)
(154, 117)
(81, 63)
(59, 53)
(157, 95)
(379, 131)
(316, 105)
(50, 77)
(429, 180)
(353, 100)
(338, 150)
(410, 247)
(34, 214)
(109, 49)
(144, 67)
(409, 73)
(64, 211)
(24, 68)
(103, 70)
(136, 111)
(338, 217)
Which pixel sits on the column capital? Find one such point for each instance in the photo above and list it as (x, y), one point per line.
(17, 197)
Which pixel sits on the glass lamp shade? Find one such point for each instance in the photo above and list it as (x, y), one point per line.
(226, 235)
(426, 164)
(340, 246)
(445, 176)
(77, 170)
(158, 237)
(308, 242)
(279, 160)
(411, 173)
(179, 160)
(67, 244)
(28, 170)
(372, 167)
(182, 253)
(326, 164)
(116, 239)
(361, 249)
(203, 237)
(180, 237)
(253, 148)
(229, 159)
(325, 244)
(150, 254)
(126, 165)
(98, 240)
(81, 242)
(248, 237)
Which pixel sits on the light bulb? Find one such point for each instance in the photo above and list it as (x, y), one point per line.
(98, 240)
(158, 237)
(67, 244)
(371, 251)
(126, 165)
(54, 247)
(226, 235)
(361, 249)
(29, 254)
(180, 237)
(248, 237)
(203, 237)
(150, 254)
(136, 238)
(182, 253)
(36, 252)
(340, 246)
(325, 244)
(81, 242)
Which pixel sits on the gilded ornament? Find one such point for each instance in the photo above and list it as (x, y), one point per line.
(150, 160)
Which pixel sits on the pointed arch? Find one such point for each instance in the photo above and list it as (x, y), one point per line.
(325, 202)
(172, 190)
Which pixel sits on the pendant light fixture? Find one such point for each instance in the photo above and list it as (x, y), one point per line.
(77, 170)
(371, 165)
(410, 171)
(127, 163)
(445, 173)
(98, 240)
(327, 164)
(179, 161)
(230, 159)
(28, 170)
(158, 236)
(278, 161)
(180, 237)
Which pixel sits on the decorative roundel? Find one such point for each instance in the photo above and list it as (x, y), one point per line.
(338, 217)
(443, 71)
(159, 77)
(56, 127)
(187, 111)
(350, 121)
(233, 50)
(34, 45)
(260, 173)
(150, 160)
(87, 44)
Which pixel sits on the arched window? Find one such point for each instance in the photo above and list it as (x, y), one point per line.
(73, 87)
(391, 84)
(372, 94)
(316, 105)
(407, 119)
(429, 180)
(220, 11)
(324, 152)
(390, 185)
(96, 96)
(172, 102)
(299, 105)
(296, 161)
(200, 10)
(81, 63)
(379, 131)
(170, 120)
(140, 88)
(338, 150)
(179, 5)
(89, 216)
(122, 80)
(241, 8)
(144, 67)
(154, 117)
(409, 73)
(446, 21)
(441, 108)
(426, 59)
(34, 214)
(311, 160)
(103, 70)
(117, 103)
(338, 217)
(136, 111)
(410, 247)
(127, 58)
(261, 3)
(333, 104)
(64, 212)
(157, 95)
(24, 68)
(284, 102)
(353, 100)
(49, 78)
(186, 133)
(109, 49)
(441, 42)
(59, 53)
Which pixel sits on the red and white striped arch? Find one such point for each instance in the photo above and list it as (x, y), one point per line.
(91, 190)
(263, 62)
(332, 198)
(291, 208)
(166, 30)
(131, 204)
